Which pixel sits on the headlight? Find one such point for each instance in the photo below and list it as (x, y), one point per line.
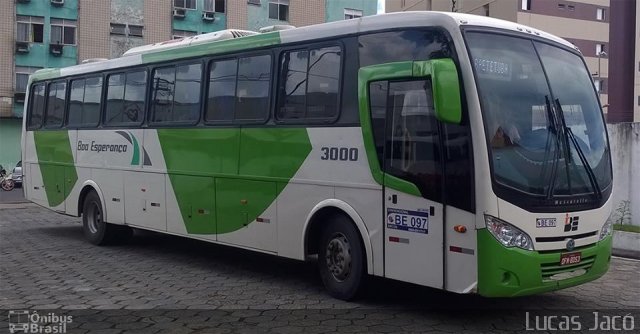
(606, 229)
(507, 234)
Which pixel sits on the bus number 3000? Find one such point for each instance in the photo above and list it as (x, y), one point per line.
(339, 153)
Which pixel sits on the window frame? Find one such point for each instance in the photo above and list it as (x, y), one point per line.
(22, 70)
(22, 19)
(65, 23)
(150, 88)
(214, 8)
(354, 13)
(105, 92)
(308, 47)
(195, 5)
(279, 3)
(601, 14)
(237, 57)
(92, 75)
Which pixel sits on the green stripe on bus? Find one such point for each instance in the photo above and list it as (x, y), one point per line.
(230, 45)
(221, 185)
(56, 164)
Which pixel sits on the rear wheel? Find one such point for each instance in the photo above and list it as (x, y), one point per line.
(95, 229)
(341, 258)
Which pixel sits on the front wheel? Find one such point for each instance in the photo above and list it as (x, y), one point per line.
(341, 258)
(7, 184)
(95, 229)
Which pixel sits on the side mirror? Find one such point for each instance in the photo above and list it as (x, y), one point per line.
(445, 87)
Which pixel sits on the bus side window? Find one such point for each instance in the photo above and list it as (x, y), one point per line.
(55, 104)
(176, 94)
(36, 106)
(309, 85)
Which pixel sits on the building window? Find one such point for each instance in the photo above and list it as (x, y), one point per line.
(63, 31)
(30, 29)
(118, 29)
(185, 4)
(525, 5)
(352, 13)
(135, 30)
(177, 34)
(561, 6)
(571, 7)
(214, 6)
(486, 9)
(598, 84)
(22, 77)
(600, 49)
(279, 10)
(126, 30)
(254, 2)
(639, 100)
(600, 14)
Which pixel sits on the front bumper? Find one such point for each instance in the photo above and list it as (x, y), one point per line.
(511, 272)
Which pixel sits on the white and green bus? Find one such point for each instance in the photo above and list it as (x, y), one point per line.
(451, 151)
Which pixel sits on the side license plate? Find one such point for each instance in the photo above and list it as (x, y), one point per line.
(570, 258)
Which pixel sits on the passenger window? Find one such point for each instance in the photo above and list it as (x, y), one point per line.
(84, 102)
(309, 84)
(36, 106)
(252, 92)
(221, 100)
(125, 98)
(410, 132)
(176, 94)
(55, 104)
(239, 90)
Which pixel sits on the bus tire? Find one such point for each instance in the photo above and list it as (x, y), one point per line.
(341, 258)
(95, 229)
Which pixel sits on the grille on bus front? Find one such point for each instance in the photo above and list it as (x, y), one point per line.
(550, 269)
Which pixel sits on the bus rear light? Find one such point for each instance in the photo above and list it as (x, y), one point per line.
(460, 228)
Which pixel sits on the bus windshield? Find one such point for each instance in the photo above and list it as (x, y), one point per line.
(545, 130)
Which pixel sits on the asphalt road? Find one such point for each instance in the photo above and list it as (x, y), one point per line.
(158, 283)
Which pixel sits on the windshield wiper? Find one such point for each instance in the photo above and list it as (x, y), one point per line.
(552, 128)
(569, 136)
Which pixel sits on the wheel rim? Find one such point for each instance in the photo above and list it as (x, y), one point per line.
(94, 218)
(338, 257)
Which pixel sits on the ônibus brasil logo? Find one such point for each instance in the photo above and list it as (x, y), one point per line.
(119, 148)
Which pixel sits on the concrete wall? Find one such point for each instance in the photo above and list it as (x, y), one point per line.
(10, 129)
(625, 154)
(7, 38)
(636, 96)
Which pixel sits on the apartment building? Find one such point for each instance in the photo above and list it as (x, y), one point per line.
(585, 23)
(37, 34)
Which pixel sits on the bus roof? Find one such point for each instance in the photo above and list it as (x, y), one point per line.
(236, 40)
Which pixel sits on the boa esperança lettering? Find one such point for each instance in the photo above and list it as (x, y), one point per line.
(97, 147)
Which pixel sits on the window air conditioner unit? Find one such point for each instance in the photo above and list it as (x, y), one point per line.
(57, 2)
(208, 16)
(55, 49)
(179, 13)
(22, 47)
(18, 97)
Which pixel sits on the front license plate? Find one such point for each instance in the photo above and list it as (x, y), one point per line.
(570, 258)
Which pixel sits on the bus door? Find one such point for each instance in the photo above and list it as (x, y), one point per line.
(406, 135)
